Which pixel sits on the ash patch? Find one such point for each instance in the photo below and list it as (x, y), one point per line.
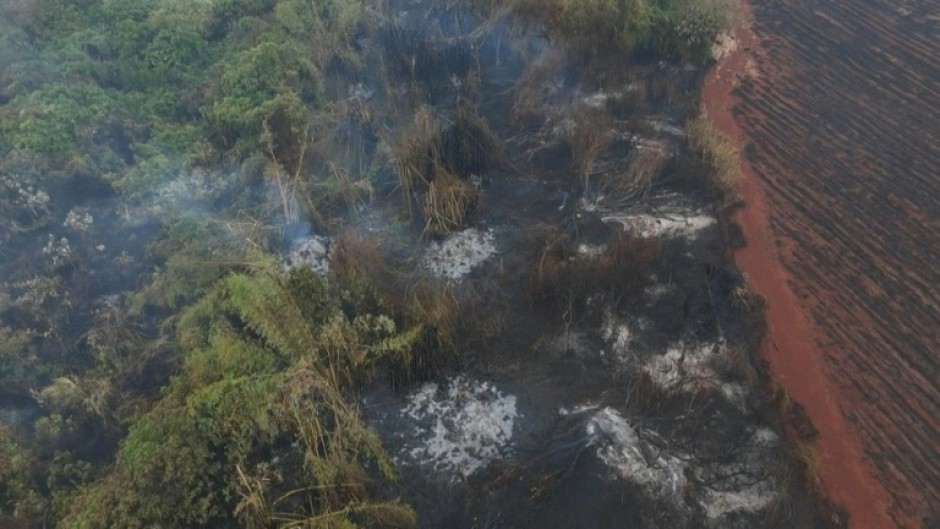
(741, 484)
(725, 490)
(313, 251)
(591, 251)
(686, 367)
(662, 222)
(617, 334)
(459, 427)
(79, 219)
(459, 253)
(619, 446)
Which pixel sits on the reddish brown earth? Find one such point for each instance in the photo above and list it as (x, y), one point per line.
(837, 107)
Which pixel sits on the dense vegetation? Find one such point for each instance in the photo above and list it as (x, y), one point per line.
(151, 155)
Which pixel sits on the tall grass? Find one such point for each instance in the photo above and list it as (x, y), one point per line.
(719, 156)
(433, 163)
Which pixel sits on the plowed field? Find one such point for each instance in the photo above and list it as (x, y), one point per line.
(837, 107)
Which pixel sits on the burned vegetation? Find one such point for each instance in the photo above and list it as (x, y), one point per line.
(376, 264)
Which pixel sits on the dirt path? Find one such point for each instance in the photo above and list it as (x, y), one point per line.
(796, 362)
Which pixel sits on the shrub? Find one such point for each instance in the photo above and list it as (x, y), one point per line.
(684, 29)
(592, 27)
(264, 391)
(687, 29)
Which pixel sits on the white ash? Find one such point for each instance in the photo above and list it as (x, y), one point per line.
(662, 223)
(59, 249)
(658, 290)
(742, 484)
(78, 220)
(616, 333)
(686, 367)
(620, 447)
(459, 427)
(596, 100)
(725, 44)
(575, 410)
(571, 342)
(665, 127)
(591, 251)
(719, 504)
(27, 193)
(683, 365)
(313, 251)
(360, 91)
(459, 253)
(600, 98)
(188, 187)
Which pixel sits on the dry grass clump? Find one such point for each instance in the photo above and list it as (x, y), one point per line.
(449, 203)
(530, 89)
(357, 259)
(434, 308)
(434, 163)
(644, 394)
(746, 301)
(428, 311)
(810, 463)
(435, 303)
(719, 155)
(589, 138)
(786, 472)
(469, 144)
(415, 152)
(750, 307)
(735, 365)
(341, 189)
(638, 179)
(625, 266)
(332, 145)
(566, 279)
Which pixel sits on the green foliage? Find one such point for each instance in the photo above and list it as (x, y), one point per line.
(57, 117)
(683, 29)
(688, 28)
(193, 253)
(260, 80)
(591, 26)
(21, 500)
(226, 354)
(50, 18)
(265, 383)
(19, 362)
(126, 88)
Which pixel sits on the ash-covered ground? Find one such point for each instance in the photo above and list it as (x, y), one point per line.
(616, 386)
(603, 370)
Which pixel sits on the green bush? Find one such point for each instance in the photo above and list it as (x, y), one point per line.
(595, 27)
(682, 29)
(687, 29)
(265, 384)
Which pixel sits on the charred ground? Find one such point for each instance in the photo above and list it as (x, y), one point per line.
(390, 264)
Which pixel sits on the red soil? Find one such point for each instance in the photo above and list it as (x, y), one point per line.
(790, 346)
